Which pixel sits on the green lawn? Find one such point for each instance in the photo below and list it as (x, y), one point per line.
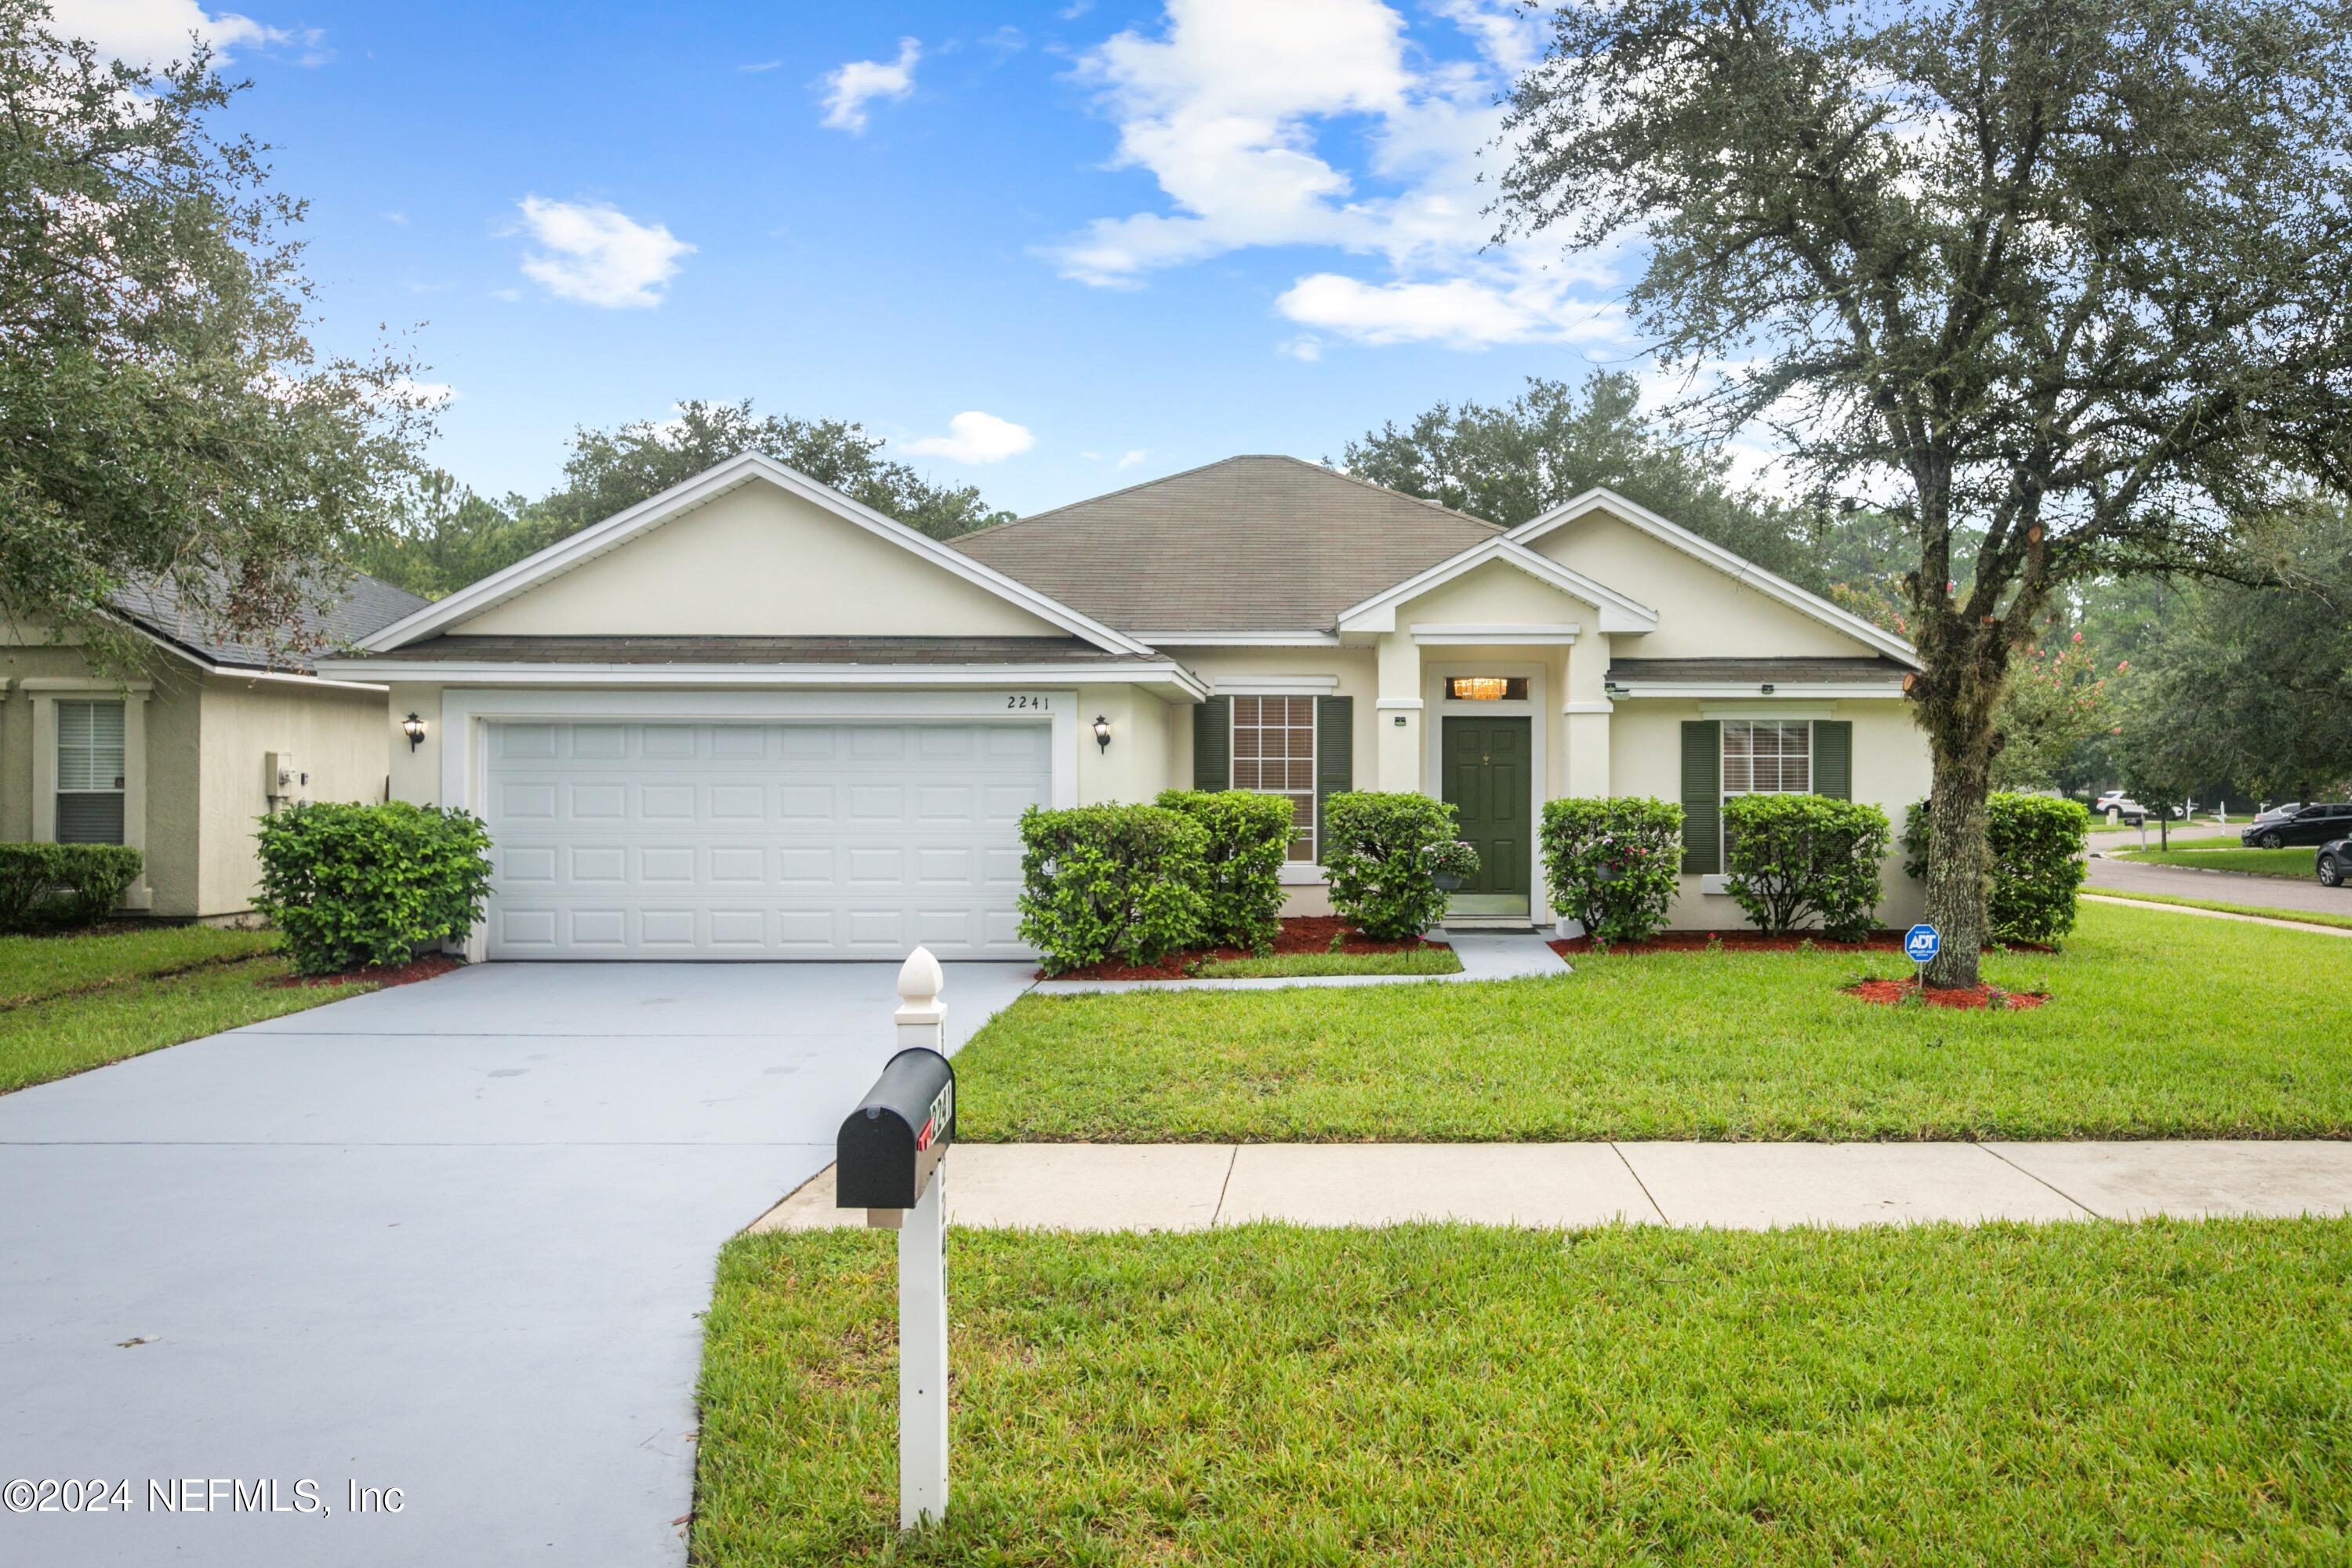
(1292, 966)
(1443, 1395)
(70, 1003)
(2160, 1027)
(2293, 862)
(2308, 917)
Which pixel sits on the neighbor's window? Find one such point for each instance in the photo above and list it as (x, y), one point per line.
(1274, 753)
(1487, 688)
(89, 772)
(1768, 756)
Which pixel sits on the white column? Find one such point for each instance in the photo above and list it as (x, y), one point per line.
(921, 1022)
(1398, 712)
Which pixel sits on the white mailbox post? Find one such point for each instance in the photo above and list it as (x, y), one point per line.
(891, 1161)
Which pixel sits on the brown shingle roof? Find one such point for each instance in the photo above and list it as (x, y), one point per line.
(1248, 544)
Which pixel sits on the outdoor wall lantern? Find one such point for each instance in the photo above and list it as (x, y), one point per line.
(1102, 731)
(414, 727)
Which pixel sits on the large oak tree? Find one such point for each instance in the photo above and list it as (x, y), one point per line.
(2066, 279)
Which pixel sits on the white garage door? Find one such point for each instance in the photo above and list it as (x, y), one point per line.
(645, 840)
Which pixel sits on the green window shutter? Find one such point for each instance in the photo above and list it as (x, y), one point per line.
(1212, 744)
(1834, 759)
(1702, 797)
(1334, 753)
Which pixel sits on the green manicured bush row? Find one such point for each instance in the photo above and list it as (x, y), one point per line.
(1104, 881)
(1794, 858)
(1612, 864)
(1384, 853)
(62, 885)
(2037, 844)
(1247, 842)
(355, 887)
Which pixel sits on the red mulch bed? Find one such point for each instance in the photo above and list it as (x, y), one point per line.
(1308, 933)
(432, 966)
(1894, 993)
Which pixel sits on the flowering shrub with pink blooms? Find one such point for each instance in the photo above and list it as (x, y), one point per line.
(2057, 699)
(1613, 864)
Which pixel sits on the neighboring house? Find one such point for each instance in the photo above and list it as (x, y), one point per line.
(750, 718)
(171, 760)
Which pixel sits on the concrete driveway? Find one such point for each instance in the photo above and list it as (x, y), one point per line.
(452, 1239)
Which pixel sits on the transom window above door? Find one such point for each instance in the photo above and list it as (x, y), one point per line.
(1768, 756)
(1274, 753)
(1487, 688)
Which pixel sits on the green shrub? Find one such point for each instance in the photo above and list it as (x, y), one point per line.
(1791, 859)
(2036, 844)
(1104, 881)
(1612, 864)
(357, 887)
(1384, 853)
(1247, 843)
(63, 884)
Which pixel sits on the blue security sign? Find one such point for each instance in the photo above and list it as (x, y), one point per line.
(1921, 943)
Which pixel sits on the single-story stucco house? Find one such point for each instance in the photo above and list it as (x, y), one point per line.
(750, 718)
(180, 760)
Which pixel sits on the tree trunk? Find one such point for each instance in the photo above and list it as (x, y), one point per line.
(1958, 863)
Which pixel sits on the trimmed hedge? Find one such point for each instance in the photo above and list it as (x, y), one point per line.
(2036, 844)
(1384, 853)
(63, 885)
(360, 886)
(1104, 881)
(1612, 864)
(1791, 859)
(1247, 842)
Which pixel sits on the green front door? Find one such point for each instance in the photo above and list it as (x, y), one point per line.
(1484, 761)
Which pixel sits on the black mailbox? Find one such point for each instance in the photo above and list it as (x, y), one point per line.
(892, 1142)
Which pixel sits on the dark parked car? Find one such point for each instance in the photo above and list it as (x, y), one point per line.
(2335, 862)
(2315, 823)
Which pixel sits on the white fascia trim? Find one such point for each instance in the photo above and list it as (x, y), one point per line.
(1573, 707)
(709, 486)
(1781, 693)
(450, 673)
(1402, 704)
(1239, 639)
(232, 673)
(1737, 567)
(1618, 613)
(1275, 686)
(1768, 708)
(1557, 635)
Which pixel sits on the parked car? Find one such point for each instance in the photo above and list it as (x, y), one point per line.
(2122, 806)
(2313, 823)
(2335, 862)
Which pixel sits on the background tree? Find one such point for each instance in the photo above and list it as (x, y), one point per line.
(2059, 699)
(1513, 461)
(164, 414)
(2065, 273)
(610, 472)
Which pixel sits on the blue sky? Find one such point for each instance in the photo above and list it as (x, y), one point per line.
(1048, 249)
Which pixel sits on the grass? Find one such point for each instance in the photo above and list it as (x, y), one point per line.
(2159, 1028)
(2078, 1393)
(2307, 917)
(1292, 966)
(71, 1002)
(2290, 862)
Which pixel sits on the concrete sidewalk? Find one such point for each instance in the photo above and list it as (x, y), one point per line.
(1192, 1186)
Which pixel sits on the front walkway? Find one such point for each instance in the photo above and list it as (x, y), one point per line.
(1191, 1186)
(1515, 955)
(454, 1238)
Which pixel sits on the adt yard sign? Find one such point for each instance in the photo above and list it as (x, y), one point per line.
(1921, 941)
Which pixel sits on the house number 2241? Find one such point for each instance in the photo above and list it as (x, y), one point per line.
(1039, 704)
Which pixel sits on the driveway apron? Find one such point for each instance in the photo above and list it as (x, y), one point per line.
(453, 1238)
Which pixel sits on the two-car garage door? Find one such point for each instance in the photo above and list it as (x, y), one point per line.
(820, 840)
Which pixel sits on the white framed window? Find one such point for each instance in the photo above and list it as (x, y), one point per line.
(1274, 753)
(1768, 756)
(91, 771)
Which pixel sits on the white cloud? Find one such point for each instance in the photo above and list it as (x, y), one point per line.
(421, 393)
(1305, 346)
(1458, 312)
(851, 87)
(157, 32)
(756, 66)
(1129, 459)
(974, 438)
(598, 255)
